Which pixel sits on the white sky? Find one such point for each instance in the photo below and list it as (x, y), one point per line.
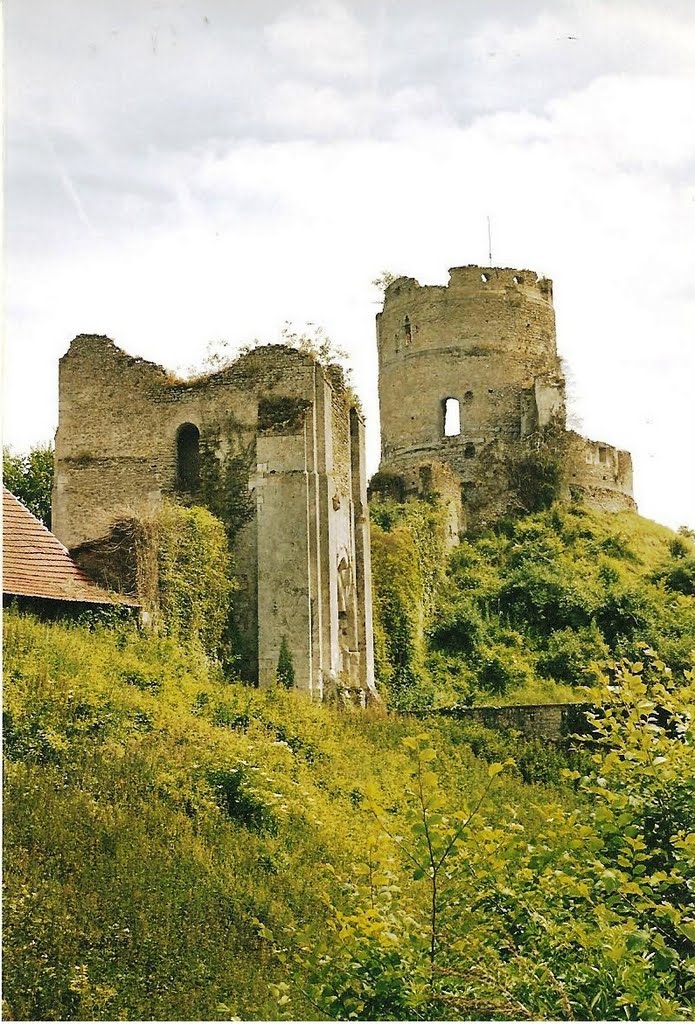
(181, 171)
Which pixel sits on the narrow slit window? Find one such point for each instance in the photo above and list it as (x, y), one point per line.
(452, 417)
(188, 457)
(408, 330)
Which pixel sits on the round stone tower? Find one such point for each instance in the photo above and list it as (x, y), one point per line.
(465, 371)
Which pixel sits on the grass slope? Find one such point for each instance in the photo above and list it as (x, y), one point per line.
(154, 812)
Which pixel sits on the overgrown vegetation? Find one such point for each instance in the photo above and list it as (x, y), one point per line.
(154, 812)
(180, 846)
(226, 457)
(408, 569)
(30, 478)
(537, 473)
(177, 562)
(528, 611)
(588, 917)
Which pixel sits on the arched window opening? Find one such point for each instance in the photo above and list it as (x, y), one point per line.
(452, 417)
(188, 457)
(408, 330)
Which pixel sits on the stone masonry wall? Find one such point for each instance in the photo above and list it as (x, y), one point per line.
(481, 348)
(601, 475)
(290, 478)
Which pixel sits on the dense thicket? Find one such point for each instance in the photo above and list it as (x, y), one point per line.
(528, 611)
(30, 478)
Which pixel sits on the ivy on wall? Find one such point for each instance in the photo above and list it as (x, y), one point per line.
(178, 564)
(226, 458)
(408, 562)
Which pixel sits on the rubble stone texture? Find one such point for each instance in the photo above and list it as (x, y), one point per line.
(469, 377)
(276, 442)
(469, 384)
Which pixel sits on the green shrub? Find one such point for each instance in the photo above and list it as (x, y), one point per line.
(540, 597)
(678, 574)
(407, 571)
(235, 796)
(30, 478)
(459, 631)
(591, 918)
(572, 656)
(625, 612)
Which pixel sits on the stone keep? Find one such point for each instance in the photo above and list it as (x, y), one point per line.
(469, 376)
(279, 439)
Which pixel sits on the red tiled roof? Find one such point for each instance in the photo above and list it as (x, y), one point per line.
(35, 563)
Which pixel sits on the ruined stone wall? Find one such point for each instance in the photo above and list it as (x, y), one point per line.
(482, 341)
(277, 463)
(601, 475)
(481, 349)
(425, 481)
(554, 722)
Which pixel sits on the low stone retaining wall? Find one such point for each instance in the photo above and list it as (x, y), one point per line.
(537, 721)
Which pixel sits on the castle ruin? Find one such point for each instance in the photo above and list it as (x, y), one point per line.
(471, 392)
(273, 444)
(470, 383)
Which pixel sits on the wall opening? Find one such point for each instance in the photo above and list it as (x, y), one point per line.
(188, 457)
(452, 417)
(469, 451)
(408, 330)
(468, 397)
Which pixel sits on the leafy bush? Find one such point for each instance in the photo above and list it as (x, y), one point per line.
(529, 609)
(459, 630)
(573, 656)
(591, 918)
(235, 796)
(285, 670)
(678, 574)
(537, 597)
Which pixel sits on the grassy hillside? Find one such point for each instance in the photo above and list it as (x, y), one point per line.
(153, 812)
(528, 611)
(179, 847)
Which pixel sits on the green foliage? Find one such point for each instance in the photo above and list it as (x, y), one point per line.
(237, 798)
(678, 574)
(278, 413)
(574, 655)
(194, 575)
(181, 847)
(152, 810)
(30, 478)
(589, 918)
(534, 608)
(388, 487)
(285, 670)
(226, 457)
(537, 474)
(407, 568)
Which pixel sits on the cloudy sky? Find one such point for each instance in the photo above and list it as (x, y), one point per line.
(184, 171)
